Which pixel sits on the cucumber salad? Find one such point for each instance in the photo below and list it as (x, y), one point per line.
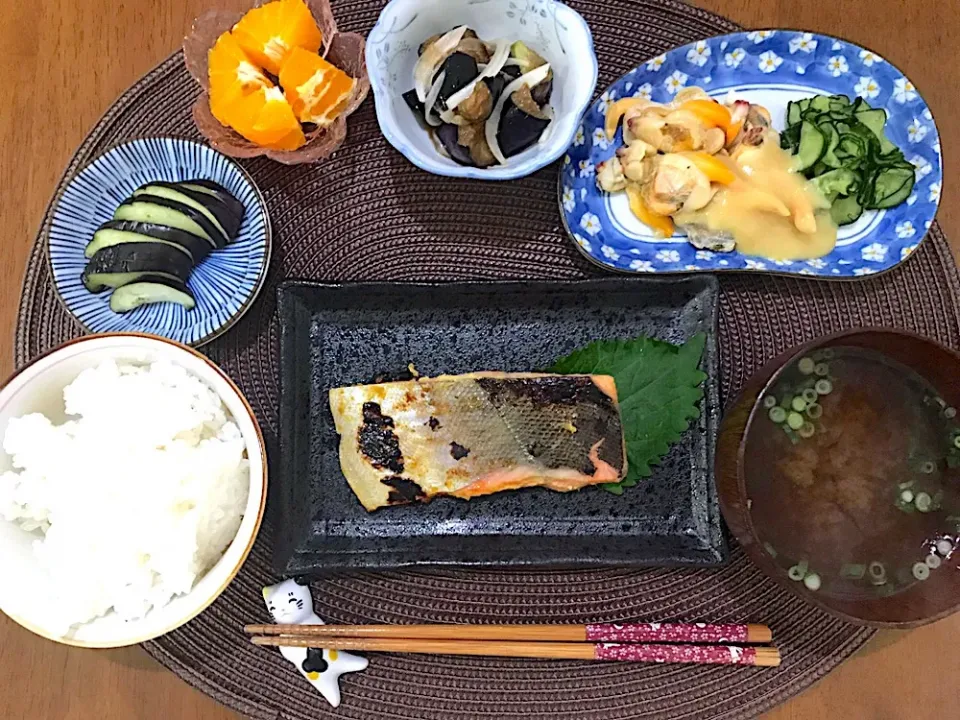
(840, 145)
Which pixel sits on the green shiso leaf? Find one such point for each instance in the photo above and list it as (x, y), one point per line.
(659, 387)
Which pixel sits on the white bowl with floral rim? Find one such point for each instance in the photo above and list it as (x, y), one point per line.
(552, 29)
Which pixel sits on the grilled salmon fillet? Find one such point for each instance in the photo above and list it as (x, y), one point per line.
(475, 434)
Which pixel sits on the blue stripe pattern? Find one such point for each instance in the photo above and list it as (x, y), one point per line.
(224, 284)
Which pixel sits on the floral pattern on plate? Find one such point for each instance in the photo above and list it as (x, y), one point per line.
(770, 67)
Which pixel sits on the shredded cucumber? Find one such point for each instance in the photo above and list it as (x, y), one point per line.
(841, 145)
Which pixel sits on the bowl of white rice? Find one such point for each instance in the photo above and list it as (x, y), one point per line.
(132, 486)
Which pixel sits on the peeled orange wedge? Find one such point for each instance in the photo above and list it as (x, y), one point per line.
(270, 32)
(316, 90)
(263, 117)
(230, 67)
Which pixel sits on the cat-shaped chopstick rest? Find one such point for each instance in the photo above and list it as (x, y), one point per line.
(292, 604)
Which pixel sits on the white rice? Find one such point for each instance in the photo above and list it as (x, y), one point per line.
(135, 499)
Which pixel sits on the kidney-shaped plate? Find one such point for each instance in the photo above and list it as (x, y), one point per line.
(771, 68)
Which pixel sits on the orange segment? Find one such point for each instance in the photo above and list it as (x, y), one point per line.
(315, 89)
(270, 32)
(229, 66)
(263, 117)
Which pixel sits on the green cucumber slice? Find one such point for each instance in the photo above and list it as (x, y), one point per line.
(813, 144)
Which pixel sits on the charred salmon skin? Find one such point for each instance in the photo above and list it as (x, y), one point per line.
(476, 434)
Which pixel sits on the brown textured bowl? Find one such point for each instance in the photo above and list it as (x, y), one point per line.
(344, 50)
(921, 603)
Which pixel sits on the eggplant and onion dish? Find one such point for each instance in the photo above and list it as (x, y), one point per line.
(155, 239)
(482, 102)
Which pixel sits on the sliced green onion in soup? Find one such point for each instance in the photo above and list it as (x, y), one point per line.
(795, 573)
(812, 582)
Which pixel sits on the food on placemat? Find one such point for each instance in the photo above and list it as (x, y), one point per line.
(281, 38)
(878, 505)
(315, 89)
(482, 102)
(476, 434)
(269, 33)
(658, 385)
(470, 435)
(841, 145)
(133, 498)
(156, 238)
(119, 232)
(717, 172)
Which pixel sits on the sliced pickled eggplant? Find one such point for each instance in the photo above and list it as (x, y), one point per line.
(149, 289)
(542, 92)
(448, 137)
(98, 282)
(460, 69)
(163, 211)
(215, 212)
(218, 191)
(518, 130)
(227, 210)
(413, 102)
(119, 232)
(111, 266)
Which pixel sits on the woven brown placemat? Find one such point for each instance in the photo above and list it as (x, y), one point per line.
(367, 214)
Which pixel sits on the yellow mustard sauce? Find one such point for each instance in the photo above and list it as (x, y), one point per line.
(761, 208)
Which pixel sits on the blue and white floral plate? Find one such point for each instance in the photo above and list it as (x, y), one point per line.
(224, 284)
(769, 67)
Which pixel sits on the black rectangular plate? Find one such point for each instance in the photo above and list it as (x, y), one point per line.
(333, 335)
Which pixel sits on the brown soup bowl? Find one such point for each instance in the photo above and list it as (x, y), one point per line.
(782, 494)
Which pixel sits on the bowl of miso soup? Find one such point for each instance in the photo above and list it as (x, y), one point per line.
(838, 470)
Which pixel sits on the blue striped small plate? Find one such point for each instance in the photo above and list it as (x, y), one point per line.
(224, 284)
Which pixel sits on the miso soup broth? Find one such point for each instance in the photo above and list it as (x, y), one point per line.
(853, 474)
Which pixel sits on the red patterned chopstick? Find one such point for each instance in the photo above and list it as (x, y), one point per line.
(677, 633)
(615, 633)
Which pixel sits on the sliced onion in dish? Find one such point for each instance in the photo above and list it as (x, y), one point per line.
(532, 79)
(493, 67)
(432, 58)
(431, 100)
(549, 114)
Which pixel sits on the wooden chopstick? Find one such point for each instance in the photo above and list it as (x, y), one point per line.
(624, 633)
(696, 654)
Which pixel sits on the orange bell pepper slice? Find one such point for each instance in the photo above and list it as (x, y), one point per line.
(616, 112)
(733, 130)
(709, 112)
(660, 224)
(713, 167)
